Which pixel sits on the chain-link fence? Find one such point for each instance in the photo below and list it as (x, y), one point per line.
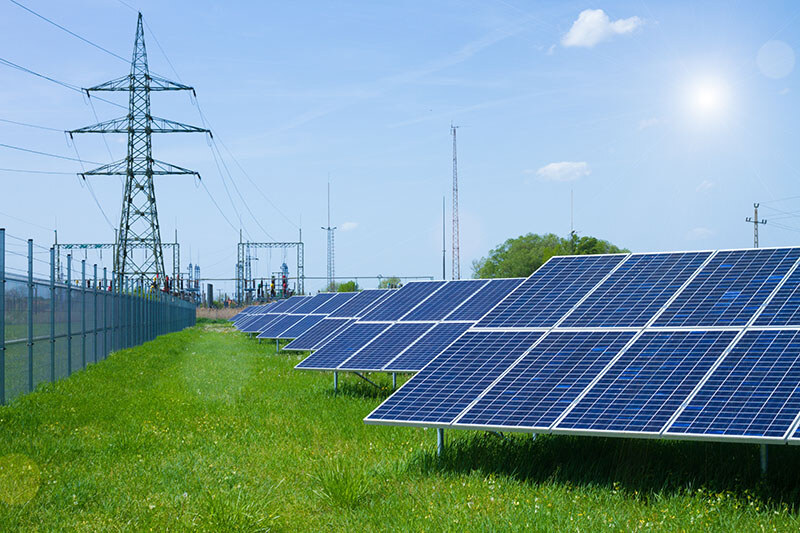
(48, 330)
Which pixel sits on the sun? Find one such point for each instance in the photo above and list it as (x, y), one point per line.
(708, 98)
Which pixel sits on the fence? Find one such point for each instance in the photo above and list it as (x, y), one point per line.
(48, 330)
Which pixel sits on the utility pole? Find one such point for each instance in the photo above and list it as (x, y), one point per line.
(139, 216)
(754, 219)
(572, 235)
(330, 230)
(456, 273)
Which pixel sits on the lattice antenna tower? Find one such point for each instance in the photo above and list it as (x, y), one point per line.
(756, 223)
(138, 227)
(331, 270)
(456, 268)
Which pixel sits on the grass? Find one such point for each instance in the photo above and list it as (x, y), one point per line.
(207, 430)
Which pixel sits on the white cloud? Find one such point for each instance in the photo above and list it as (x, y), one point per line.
(348, 226)
(563, 171)
(705, 186)
(700, 233)
(784, 91)
(551, 50)
(648, 123)
(594, 26)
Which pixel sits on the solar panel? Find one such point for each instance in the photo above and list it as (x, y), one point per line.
(303, 325)
(784, 308)
(318, 334)
(542, 299)
(636, 290)
(730, 289)
(443, 301)
(484, 300)
(386, 347)
(281, 306)
(260, 323)
(335, 351)
(338, 300)
(294, 302)
(360, 302)
(311, 304)
(753, 392)
(427, 347)
(403, 300)
(649, 382)
(449, 383)
(276, 327)
(538, 389)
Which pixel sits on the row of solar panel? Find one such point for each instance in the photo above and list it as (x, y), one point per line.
(678, 384)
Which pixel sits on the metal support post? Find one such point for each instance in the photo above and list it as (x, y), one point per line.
(439, 441)
(533, 436)
(94, 308)
(69, 314)
(764, 459)
(335, 382)
(394, 380)
(105, 312)
(83, 312)
(277, 346)
(30, 314)
(52, 314)
(2, 316)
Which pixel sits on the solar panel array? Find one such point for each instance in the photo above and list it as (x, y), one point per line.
(690, 345)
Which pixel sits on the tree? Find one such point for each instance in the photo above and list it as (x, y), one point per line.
(521, 256)
(392, 282)
(347, 286)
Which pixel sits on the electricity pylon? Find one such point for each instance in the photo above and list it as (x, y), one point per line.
(138, 227)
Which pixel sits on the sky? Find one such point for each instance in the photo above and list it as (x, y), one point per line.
(666, 121)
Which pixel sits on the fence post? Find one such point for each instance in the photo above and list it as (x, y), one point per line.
(52, 314)
(113, 311)
(30, 315)
(94, 308)
(105, 312)
(129, 318)
(69, 314)
(2, 316)
(83, 312)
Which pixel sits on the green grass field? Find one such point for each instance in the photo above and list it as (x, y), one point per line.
(207, 430)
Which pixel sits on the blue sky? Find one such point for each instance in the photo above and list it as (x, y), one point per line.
(666, 119)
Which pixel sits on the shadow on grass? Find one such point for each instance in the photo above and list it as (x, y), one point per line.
(355, 387)
(649, 467)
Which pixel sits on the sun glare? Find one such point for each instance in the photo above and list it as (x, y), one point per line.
(708, 98)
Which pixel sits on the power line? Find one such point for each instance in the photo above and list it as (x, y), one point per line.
(45, 153)
(30, 125)
(89, 187)
(25, 171)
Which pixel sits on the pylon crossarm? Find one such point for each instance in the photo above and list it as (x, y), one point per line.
(156, 83)
(154, 125)
(120, 168)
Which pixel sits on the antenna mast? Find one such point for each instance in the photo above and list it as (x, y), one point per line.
(330, 230)
(456, 273)
(755, 222)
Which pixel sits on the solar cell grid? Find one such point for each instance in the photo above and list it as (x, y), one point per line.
(543, 298)
(635, 292)
(484, 300)
(447, 385)
(318, 334)
(338, 300)
(276, 327)
(303, 325)
(260, 322)
(427, 347)
(342, 346)
(383, 349)
(312, 303)
(645, 387)
(730, 289)
(402, 301)
(784, 308)
(538, 389)
(443, 301)
(293, 302)
(753, 392)
(360, 302)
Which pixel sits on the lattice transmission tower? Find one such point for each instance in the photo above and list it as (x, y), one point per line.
(138, 227)
(331, 270)
(456, 273)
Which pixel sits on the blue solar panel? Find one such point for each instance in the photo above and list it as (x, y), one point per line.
(445, 387)
(281, 306)
(403, 300)
(484, 300)
(275, 328)
(784, 308)
(342, 346)
(384, 348)
(427, 347)
(318, 334)
(753, 392)
(301, 327)
(260, 322)
(730, 289)
(361, 302)
(636, 290)
(293, 303)
(338, 300)
(314, 302)
(443, 301)
(547, 380)
(542, 299)
(645, 387)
